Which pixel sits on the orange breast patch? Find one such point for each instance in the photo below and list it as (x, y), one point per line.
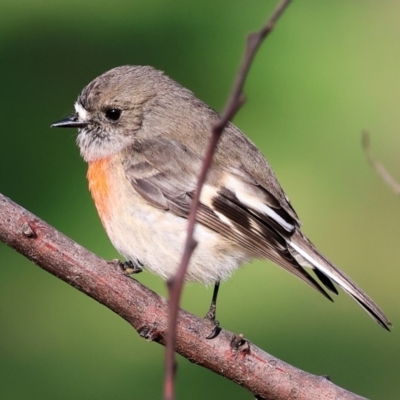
(98, 177)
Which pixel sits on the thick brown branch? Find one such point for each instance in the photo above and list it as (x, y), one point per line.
(234, 102)
(377, 166)
(228, 355)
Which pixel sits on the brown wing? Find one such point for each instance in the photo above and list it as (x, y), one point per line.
(165, 173)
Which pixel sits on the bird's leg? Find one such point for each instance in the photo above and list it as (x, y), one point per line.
(129, 267)
(211, 313)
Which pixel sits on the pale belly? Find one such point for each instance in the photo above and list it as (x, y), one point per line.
(156, 237)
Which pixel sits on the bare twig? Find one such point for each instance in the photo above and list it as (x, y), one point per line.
(227, 355)
(377, 166)
(235, 101)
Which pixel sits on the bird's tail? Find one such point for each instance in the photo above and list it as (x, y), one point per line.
(308, 256)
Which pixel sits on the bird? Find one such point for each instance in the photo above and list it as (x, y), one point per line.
(144, 136)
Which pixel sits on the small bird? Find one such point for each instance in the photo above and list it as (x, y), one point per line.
(144, 136)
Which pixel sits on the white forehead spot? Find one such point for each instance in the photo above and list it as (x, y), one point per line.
(82, 113)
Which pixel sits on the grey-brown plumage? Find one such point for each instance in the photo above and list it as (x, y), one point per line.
(150, 134)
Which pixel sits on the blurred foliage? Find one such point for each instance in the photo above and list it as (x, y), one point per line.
(329, 70)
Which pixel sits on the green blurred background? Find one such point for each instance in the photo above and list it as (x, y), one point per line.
(329, 70)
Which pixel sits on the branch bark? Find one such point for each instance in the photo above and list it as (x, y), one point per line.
(228, 355)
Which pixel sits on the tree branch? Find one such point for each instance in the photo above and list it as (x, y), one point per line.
(228, 355)
(377, 166)
(235, 100)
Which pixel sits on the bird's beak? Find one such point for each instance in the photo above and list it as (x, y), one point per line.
(70, 122)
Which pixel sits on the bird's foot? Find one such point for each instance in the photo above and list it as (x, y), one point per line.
(210, 316)
(128, 267)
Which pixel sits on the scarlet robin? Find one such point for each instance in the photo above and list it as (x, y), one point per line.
(144, 136)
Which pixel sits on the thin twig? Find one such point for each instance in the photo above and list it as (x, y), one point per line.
(257, 371)
(235, 101)
(377, 166)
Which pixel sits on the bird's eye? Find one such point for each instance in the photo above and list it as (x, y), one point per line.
(113, 114)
